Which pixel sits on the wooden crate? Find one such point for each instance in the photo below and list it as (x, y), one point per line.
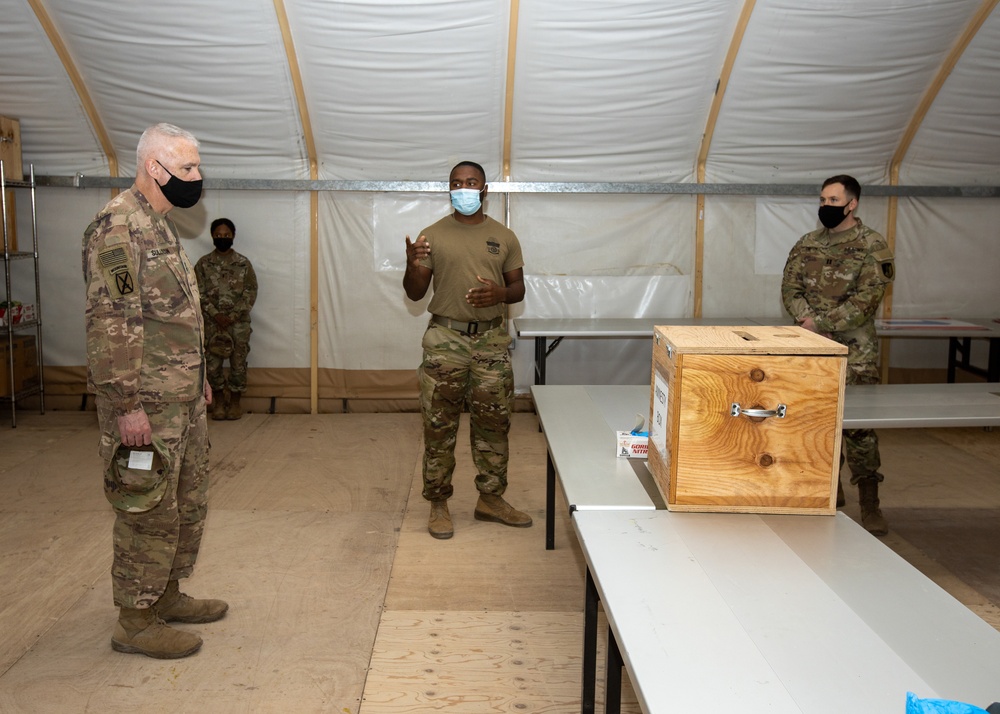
(10, 149)
(707, 453)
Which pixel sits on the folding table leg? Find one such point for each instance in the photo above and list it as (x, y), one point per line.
(590, 601)
(613, 677)
(550, 503)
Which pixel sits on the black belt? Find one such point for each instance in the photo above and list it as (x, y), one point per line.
(468, 328)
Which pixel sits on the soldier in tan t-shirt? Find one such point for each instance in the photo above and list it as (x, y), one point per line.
(475, 266)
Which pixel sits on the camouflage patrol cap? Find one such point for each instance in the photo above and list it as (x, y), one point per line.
(131, 488)
(221, 344)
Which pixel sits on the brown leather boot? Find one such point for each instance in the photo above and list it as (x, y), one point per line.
(221, 398)
(233, 410)
(142, 632)
(175, 606)
(439, 524)
(871, 515)
(492, 507)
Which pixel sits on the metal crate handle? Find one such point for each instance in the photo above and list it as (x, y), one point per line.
(737, 410)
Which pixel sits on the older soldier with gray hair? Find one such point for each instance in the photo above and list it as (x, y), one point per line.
(146, 364)
(833, 283)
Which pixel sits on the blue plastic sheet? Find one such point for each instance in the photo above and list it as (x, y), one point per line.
(916, 705)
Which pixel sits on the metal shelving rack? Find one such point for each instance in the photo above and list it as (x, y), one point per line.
(8, 331)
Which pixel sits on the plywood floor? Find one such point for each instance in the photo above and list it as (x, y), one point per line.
(340, 601)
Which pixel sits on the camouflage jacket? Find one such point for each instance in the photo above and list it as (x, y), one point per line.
(145, 334)
(227, 284)
(839, 280)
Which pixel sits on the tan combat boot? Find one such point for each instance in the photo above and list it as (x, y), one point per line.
(221, 398)
(871, 515)
(175, 606)
(439, 524)
(142, 632)
(492, 507)
(233, 410)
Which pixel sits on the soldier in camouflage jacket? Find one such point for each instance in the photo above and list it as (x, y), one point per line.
(228, 288)
(833, 283)
(146, 365)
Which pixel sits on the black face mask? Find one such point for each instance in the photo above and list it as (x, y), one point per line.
(182, 194)
(832, 216)
(222, 244)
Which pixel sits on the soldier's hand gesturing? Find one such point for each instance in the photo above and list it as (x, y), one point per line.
(487, 295)
(415, 252)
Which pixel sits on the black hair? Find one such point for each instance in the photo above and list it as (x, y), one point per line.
(851, 186)
(223, 222)
(474, 165)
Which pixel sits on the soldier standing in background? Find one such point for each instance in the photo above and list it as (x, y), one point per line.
(833, 283)
(146, 364)
(476, 266)
(228, 287)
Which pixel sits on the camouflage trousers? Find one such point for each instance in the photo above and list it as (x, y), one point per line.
(237, 382)
(861, 445)
(161, 544)
(459, 371)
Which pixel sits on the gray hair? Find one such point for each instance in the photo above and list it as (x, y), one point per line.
(157, 135)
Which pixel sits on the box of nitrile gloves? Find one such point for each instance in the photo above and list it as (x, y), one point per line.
(632, 445)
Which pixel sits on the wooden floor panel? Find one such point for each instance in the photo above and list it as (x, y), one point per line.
(47, 564)
(305, 591)
(340, 600)
(486, 565)
(478, 662)
(335, 462)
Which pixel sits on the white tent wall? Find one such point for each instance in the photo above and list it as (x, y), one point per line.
(615, 91)
(958, 142)
(828, 88)
(583, 91)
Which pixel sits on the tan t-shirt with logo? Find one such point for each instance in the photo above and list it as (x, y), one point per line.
(460, 252)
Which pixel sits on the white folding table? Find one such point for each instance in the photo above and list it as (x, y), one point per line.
(723, 612)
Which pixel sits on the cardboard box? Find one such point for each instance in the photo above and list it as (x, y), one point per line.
(25, 364)
(10, 149)
(746, 419)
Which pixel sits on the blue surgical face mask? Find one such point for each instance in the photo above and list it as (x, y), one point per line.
(466, 200)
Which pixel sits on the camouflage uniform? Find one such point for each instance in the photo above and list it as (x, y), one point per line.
(460, 369)
(145, 348)
(228, 285)
(839, 280)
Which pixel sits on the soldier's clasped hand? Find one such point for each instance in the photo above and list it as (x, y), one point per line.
(486, 296)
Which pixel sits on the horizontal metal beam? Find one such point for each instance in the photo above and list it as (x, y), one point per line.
(613, 187)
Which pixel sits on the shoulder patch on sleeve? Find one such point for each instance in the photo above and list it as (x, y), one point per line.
(887, 264)
(119, 273)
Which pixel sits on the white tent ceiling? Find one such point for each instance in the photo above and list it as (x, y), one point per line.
(586, 91)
